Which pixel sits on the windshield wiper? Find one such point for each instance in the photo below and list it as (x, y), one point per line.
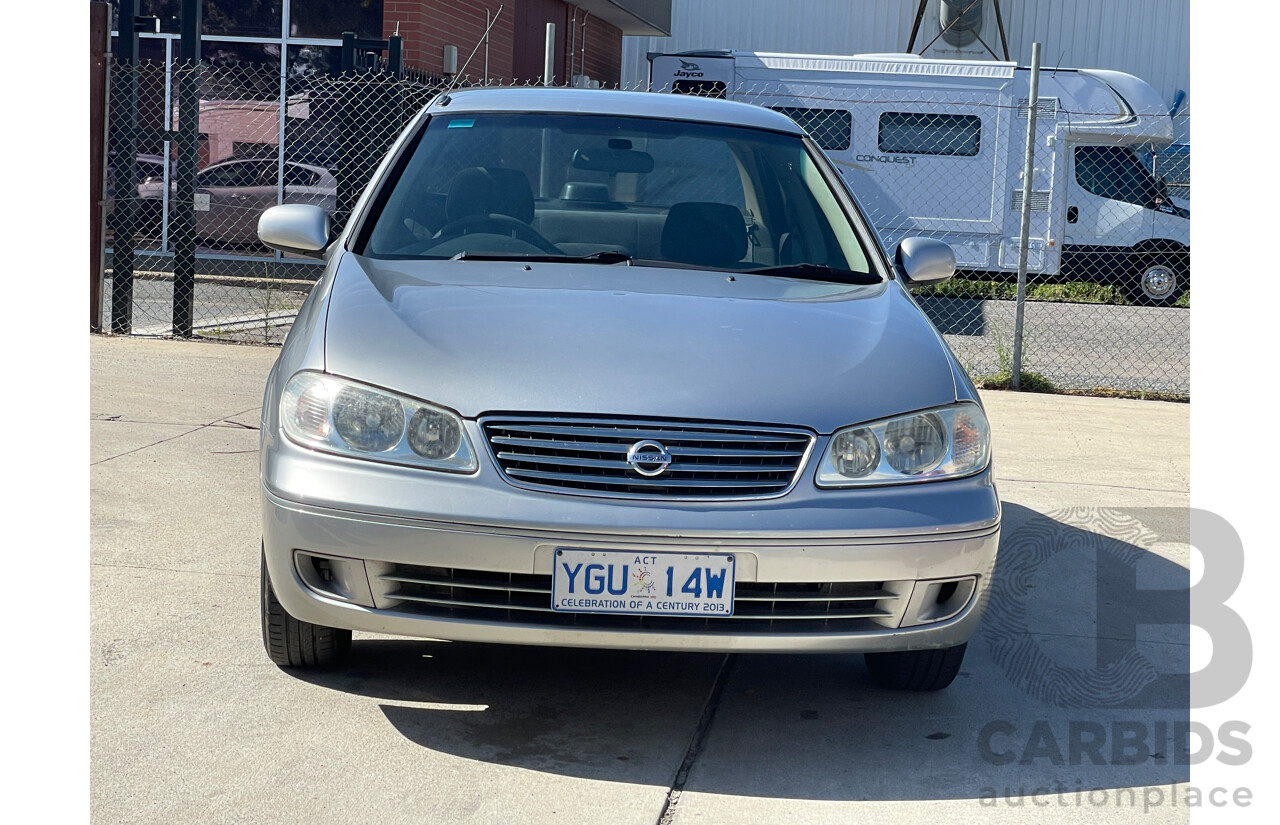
(811, 272)
(535, 257)
(817, 272)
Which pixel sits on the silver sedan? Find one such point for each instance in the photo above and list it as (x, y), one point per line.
(234, 193)
(620, 370)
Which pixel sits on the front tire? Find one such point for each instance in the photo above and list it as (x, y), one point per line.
(1158, 280)
(291, 642)
(916, 669)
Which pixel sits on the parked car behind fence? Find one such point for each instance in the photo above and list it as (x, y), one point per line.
(231, 195)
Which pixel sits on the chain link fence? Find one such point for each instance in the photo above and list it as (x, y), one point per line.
(320, 147)
(1107, 297)
(1108, 253)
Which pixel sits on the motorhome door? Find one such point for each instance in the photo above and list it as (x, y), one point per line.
(1112, 197)
(1042, 247)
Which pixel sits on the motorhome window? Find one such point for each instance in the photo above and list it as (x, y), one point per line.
(928, 133)
(1115, 173)
(830, 128)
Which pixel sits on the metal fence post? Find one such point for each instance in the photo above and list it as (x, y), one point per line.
(124, 143)
(549, 57)
(1024, 232)
(99, 46)
(370, 113)
(184, 216)
(395, 56)
(348, 53)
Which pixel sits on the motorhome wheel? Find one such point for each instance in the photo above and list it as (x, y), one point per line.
(1158, 281)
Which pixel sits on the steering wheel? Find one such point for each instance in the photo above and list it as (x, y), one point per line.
(495, 224)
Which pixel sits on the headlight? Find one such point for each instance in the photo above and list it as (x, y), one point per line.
(855, 453)
(915, 445)
(944, 443)
(434, 434)
(368, 421)
(335, 415)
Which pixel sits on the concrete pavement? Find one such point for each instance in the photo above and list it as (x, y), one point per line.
(192, 723)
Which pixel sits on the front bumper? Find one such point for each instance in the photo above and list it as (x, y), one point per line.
(371, 553)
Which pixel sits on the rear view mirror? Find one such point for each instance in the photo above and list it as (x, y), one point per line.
(925, 260)
(295, 227)
(613, 161)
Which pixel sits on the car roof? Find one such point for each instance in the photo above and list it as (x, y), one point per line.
(265, 159)
(607, 102)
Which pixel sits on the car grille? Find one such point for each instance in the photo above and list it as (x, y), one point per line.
(523, 598)
(589, 456)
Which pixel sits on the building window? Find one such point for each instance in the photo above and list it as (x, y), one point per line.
(238, 18)
(923, 133)
(330, 18)
(830, 128)
(264, 18)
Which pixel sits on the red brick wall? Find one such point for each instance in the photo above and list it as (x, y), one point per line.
(532, 17)
(427, 26)
(516, 42)
(601, 53)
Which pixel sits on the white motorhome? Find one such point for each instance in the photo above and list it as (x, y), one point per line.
(937, 147)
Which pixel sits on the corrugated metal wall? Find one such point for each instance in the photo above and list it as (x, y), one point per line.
(1147, 38)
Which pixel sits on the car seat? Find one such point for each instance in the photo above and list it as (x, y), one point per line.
(489, 190)
(704, 234)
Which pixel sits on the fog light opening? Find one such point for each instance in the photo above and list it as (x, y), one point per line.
(323, 568)
(335, 577)
(939, 600)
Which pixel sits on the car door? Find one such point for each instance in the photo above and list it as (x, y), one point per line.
(307, 184)
(238, 191)
(260, 195)
(1108, 198)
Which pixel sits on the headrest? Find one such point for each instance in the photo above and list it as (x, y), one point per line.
(488, 190)
(704, 233)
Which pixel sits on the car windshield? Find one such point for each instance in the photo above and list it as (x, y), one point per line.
(610, 189)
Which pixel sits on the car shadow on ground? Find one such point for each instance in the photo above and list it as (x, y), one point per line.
(1077, 681)
(599, 714)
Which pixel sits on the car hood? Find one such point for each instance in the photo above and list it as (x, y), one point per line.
(487, 337)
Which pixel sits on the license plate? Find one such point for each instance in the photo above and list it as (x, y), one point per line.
(656, 584)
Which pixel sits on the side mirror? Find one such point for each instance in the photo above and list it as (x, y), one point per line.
(925, 261)
(295, 227)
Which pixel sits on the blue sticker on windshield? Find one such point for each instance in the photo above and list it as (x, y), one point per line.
(461, 124)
